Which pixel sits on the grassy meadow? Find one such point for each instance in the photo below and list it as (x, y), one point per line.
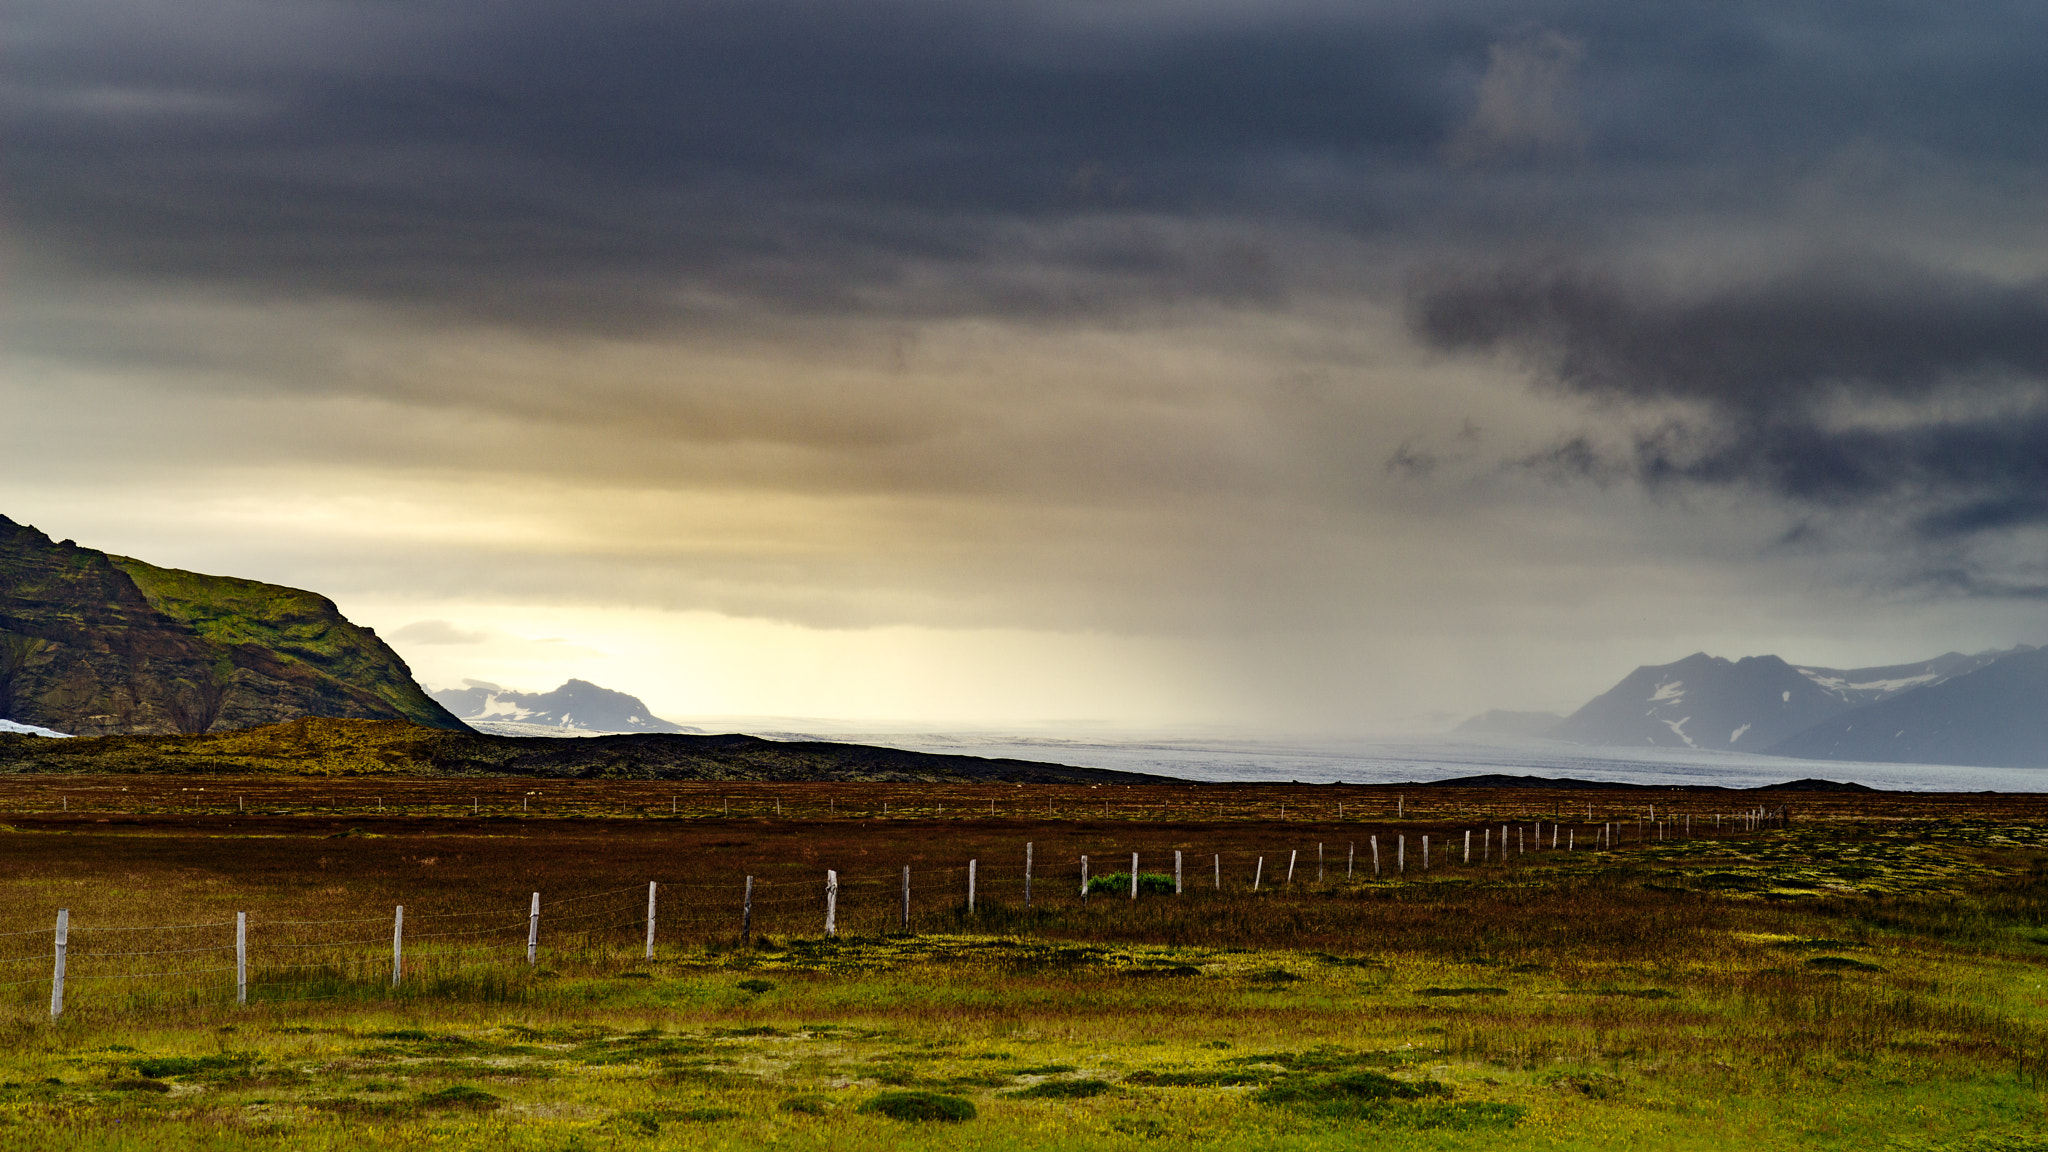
(1866, 973)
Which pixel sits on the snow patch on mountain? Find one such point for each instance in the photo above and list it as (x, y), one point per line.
(11, 728)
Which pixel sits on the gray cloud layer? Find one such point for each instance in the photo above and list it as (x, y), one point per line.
(1848, 385)
(580, 163)
(1064, 314)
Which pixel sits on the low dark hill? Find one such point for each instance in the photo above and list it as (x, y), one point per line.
(324, 747)
(1567, 783)
(94, 644)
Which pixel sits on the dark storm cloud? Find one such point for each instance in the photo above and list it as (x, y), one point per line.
(591, 163)
(1853, 385)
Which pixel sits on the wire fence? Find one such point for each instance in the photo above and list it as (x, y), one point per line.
(484, 951)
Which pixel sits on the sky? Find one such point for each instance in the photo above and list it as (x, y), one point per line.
(1289, 365)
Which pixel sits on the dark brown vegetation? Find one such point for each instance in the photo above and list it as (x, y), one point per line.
(320, 746)
(155, 850)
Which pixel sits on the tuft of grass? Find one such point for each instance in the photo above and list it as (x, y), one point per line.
(920, 1106)
(1321, 1092)
(1064, 1090)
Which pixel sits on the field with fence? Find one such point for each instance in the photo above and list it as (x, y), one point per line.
(363, 962)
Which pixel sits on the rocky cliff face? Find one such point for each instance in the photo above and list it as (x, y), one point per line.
(95, 644)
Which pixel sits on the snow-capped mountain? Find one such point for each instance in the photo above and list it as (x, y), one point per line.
(1706, 701)
(577, 708)
(1860, 686)
(1994, 715)
(1953, 709)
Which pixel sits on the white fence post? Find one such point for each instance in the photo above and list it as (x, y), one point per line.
(970, 885)
(1176, 872)
(398, 946)
(1425, 853)
(1134, 875)
(1291, 854)
(1401, 854)
(1084, 877)
(241, 957)
(57, 967)
(1027, 874)
(747, 915)
(1258, 873)
(1468, 845)
(1319, 861)
(906, 898)
(831, 902)
(1219, 871)
(1350, 858)
(1375, 856)
(650, 919)
(533, 933)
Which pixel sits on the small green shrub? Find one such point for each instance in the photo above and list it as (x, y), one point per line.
(807, 1105)
(1045, 1070)
(1064, 1089)
(755, 986)
(158, 1067)
(1461, 991)
(918, 1106)
(1348, 1089)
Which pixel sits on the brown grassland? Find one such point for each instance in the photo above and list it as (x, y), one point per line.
(1864, 972)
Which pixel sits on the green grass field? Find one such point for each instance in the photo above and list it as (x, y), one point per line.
(1849, 982)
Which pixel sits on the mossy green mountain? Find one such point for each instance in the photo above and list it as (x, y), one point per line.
(95, 644)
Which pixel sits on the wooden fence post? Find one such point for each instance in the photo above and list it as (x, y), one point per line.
(1027, 874)
(1319, 861)
(747, 915)
(970, 887)
(1176, 872)
(1350, 858)
(1084, 878)
(1401, 854)
(831, 902)
(57, 965)
(1486, 846)
(1291, 854)
(1425, 852)
(242, 958)
(1219, 871)
(1468, 845)
(650, 919)
(1375, 857)
(1134, 875)
(905, 923)
(397, 946)
(1258, 873)
(533, 933)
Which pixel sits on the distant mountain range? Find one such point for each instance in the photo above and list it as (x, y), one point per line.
(94, 644)
(577, 708)
(1989, 710)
